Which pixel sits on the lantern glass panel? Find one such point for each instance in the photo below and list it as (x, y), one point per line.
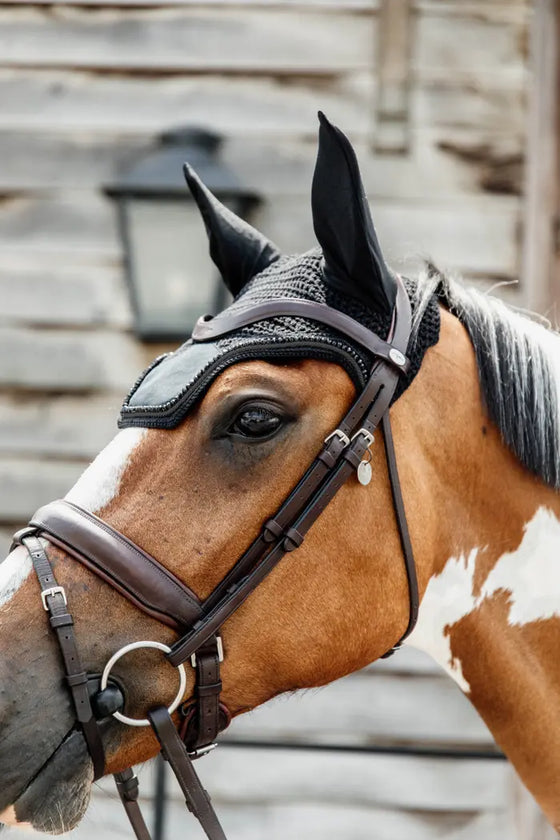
(173, 278)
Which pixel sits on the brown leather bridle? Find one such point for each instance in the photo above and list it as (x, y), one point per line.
(157, 592)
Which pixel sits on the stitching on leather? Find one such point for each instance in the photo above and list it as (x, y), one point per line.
(179, 586)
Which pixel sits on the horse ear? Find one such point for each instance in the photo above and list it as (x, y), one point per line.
(343, 226)
(237, 249)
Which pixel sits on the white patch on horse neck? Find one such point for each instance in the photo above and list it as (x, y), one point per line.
(99, 484)
(530, 574)
(447, 599)
(13, 571)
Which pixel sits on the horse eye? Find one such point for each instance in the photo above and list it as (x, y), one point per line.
(256, 422)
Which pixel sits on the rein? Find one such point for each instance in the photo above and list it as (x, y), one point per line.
(157, 592)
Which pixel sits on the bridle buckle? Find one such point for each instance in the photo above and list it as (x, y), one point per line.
(368, 436)
(220, 646)
(202, 751)
(340, 435)
(54, 590)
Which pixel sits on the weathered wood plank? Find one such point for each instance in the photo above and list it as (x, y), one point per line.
(407, 660)
(489, 9)
(542, 222)
(323, 821)
(186, 39)
(372, 705)
(297, 820)
(86, 297)
(444, 162)
(498, 11)
(394, 45)
(25, 485)
(55, 360)
(386, 781)
(318, 775)
(62, 427)
(332, 5)
(476, 235)
(6, 540)
(530, 822)
(264, 40)
(71, 101)
(481, 108)
(79, 223)
(488, 46)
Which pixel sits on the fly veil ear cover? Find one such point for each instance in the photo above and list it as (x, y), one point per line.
(354, 263)
(238, 250)
(349, 274)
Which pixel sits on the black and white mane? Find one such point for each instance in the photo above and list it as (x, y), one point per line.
(519, 368)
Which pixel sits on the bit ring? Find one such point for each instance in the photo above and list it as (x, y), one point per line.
(136, 646)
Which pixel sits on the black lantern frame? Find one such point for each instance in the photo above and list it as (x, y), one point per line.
(154, 185)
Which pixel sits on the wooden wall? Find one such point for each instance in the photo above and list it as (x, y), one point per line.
(435, 95)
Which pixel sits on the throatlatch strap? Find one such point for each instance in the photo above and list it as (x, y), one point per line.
(404, 534)
(174, 751)
(54, 601)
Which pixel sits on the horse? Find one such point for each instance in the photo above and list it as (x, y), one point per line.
(215, 437)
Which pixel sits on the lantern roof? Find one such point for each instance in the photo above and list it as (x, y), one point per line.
(159, 172)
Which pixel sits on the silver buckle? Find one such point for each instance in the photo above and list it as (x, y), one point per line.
(220, 645)
(339, 434)
(368, 436)
(201, 751)
(54, 590)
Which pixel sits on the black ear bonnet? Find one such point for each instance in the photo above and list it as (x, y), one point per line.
(348, 274)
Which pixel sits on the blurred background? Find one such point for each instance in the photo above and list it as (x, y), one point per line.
(453, 108)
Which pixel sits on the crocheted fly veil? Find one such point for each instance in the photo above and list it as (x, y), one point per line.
(347, 273)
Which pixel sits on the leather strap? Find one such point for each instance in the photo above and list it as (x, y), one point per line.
(332, 449)
(208, 329)
(306, 502)
(128, 789)
(406, 544)
(238, 592)
(174, 751)
(55, 603)
(126, 567)
(204, 724)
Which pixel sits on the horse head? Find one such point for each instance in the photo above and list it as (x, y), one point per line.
(214, 438)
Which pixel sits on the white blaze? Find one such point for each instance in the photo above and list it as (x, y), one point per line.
(530, 574)
(99, 484)
(94, 489)
(13, 571)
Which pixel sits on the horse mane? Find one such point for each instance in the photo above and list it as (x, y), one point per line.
(518, 364)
